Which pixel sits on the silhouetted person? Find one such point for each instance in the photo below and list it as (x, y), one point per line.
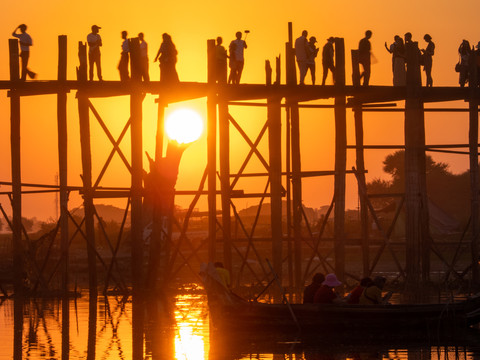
(408, 38)
(355, 294)
(326, 293)
(310, 290)
(391, 49)
(301, 45)
(94, 42)
(124, 59)
(168, 60)
(327, 59)
(428, 58)
(220, 61)
(312, 52)
(143, 57)
(364, 57)
(25, 43)
(237, 60)
(477, 59)
(399, 58)
(372, 295)
(464, 53)
(224, 274)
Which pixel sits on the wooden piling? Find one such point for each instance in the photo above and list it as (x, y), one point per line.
(211, 151)
(360, 161)
(83, 116)
(340, 159)
(138, 285)
(18, 261)
(296, 163)
(275, 175)
(224, 149)
(63, 182)
(417, 254)
(474, 171)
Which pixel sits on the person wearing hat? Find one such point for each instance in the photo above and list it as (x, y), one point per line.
(327, 59)
(372, 295)
(25, 43)
(312, 52)
(94, 42)
(428, 58)
(326, 294)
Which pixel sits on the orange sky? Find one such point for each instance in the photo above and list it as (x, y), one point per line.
(191, 23)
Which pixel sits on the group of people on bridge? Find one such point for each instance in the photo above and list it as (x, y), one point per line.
(468, 65)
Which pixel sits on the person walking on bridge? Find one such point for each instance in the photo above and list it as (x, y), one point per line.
(25, 43)
(364, 56)
(327, 59)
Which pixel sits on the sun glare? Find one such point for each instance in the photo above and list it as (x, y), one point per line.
(184, 126)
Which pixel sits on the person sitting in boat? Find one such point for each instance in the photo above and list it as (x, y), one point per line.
(310, 290)
(223, 273)
(372, 295)
(326, 293)
(355, 294)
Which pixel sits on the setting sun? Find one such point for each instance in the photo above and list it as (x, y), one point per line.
(184, 126)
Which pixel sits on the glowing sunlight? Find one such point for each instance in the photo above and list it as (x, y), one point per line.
(184, 126)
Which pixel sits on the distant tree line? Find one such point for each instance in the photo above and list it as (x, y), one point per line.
(450, 192)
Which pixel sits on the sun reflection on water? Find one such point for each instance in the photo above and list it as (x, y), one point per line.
(191, 338)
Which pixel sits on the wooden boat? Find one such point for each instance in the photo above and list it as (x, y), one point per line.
(233, 313)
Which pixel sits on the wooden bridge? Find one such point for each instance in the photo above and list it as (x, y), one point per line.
(284, 181)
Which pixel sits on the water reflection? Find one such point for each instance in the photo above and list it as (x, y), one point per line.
(102, 328)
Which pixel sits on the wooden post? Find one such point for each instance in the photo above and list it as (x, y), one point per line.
(275, 174)
(160, 130)
(135, 65)
(18, 265)
(292, 108)
(474, 171)
(62, 171)
(224, 139)
(83, 116)
(340, 159)
(360, 161)
(268, 73)
(212, 151)
(136, 99)
(415, 183)
(355, 68)
(82, 56)
(277, 70)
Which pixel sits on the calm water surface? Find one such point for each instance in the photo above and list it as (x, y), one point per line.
(181, 332)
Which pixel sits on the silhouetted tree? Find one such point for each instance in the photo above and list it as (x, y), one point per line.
(449, 191)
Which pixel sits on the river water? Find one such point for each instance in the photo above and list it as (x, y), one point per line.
(33, 330)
